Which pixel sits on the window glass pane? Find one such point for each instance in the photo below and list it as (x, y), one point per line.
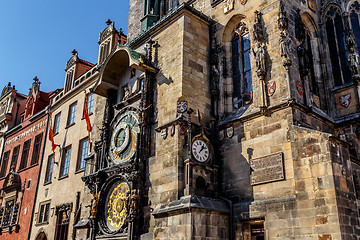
(57, 123)
(49, 169)
(25, 154)
(41, 215)
(72, 114)
(9, 207)
(246, 41)
(46, 213)
(66, 161)
(36, 149)
(4, 163)
(313, 84)
(236, 66)
(333, 52)
(247, 81)
(90, 102)
(356, 29)
(342, 49)
(15, 156)
(83, 153)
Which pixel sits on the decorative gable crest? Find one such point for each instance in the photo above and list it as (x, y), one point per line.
(72, 60)
(107, 31)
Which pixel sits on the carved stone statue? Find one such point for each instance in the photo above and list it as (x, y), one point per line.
(258, 27)
(134, 200)
(284, 49)
(260, 58)
(127, 93)
(354, 62)
(215, 78)
(94, 204)
(283, 20)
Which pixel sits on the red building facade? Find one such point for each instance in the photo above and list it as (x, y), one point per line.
(21, 161)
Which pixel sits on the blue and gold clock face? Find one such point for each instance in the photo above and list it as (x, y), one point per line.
(124, 137)
(116, 205)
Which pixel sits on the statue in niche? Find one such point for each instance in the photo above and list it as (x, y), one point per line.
(258, 27)
(215, 78)
(94, 204)
(284, 49)
(354, 62)
(127, 93)
(260, 58)
(283, 20)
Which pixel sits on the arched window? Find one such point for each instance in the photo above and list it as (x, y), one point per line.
(241, 65)
(338, 54)
(312, 79)
(354, 18)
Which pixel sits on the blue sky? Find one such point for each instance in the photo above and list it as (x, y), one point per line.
(37, 37)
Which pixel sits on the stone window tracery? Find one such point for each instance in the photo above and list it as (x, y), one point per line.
(336, 42)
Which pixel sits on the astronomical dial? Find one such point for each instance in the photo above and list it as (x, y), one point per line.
(124, 138)
(116, 206)
(200, 150)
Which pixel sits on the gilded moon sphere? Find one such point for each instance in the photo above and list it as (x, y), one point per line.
(124, 137)
(115, 205)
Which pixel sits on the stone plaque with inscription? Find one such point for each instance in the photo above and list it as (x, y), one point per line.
(267, 169)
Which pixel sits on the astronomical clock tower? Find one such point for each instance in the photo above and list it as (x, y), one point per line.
(116, 171)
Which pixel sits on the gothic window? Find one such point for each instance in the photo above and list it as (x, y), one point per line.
(49, 169)
(65, 162)
(4, 163)
(336, 41)
(355, 19)
(241, 65)
(36, 149)
(25, 154)
(83, 151)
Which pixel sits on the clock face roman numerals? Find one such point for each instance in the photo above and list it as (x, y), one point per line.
(200, 150)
